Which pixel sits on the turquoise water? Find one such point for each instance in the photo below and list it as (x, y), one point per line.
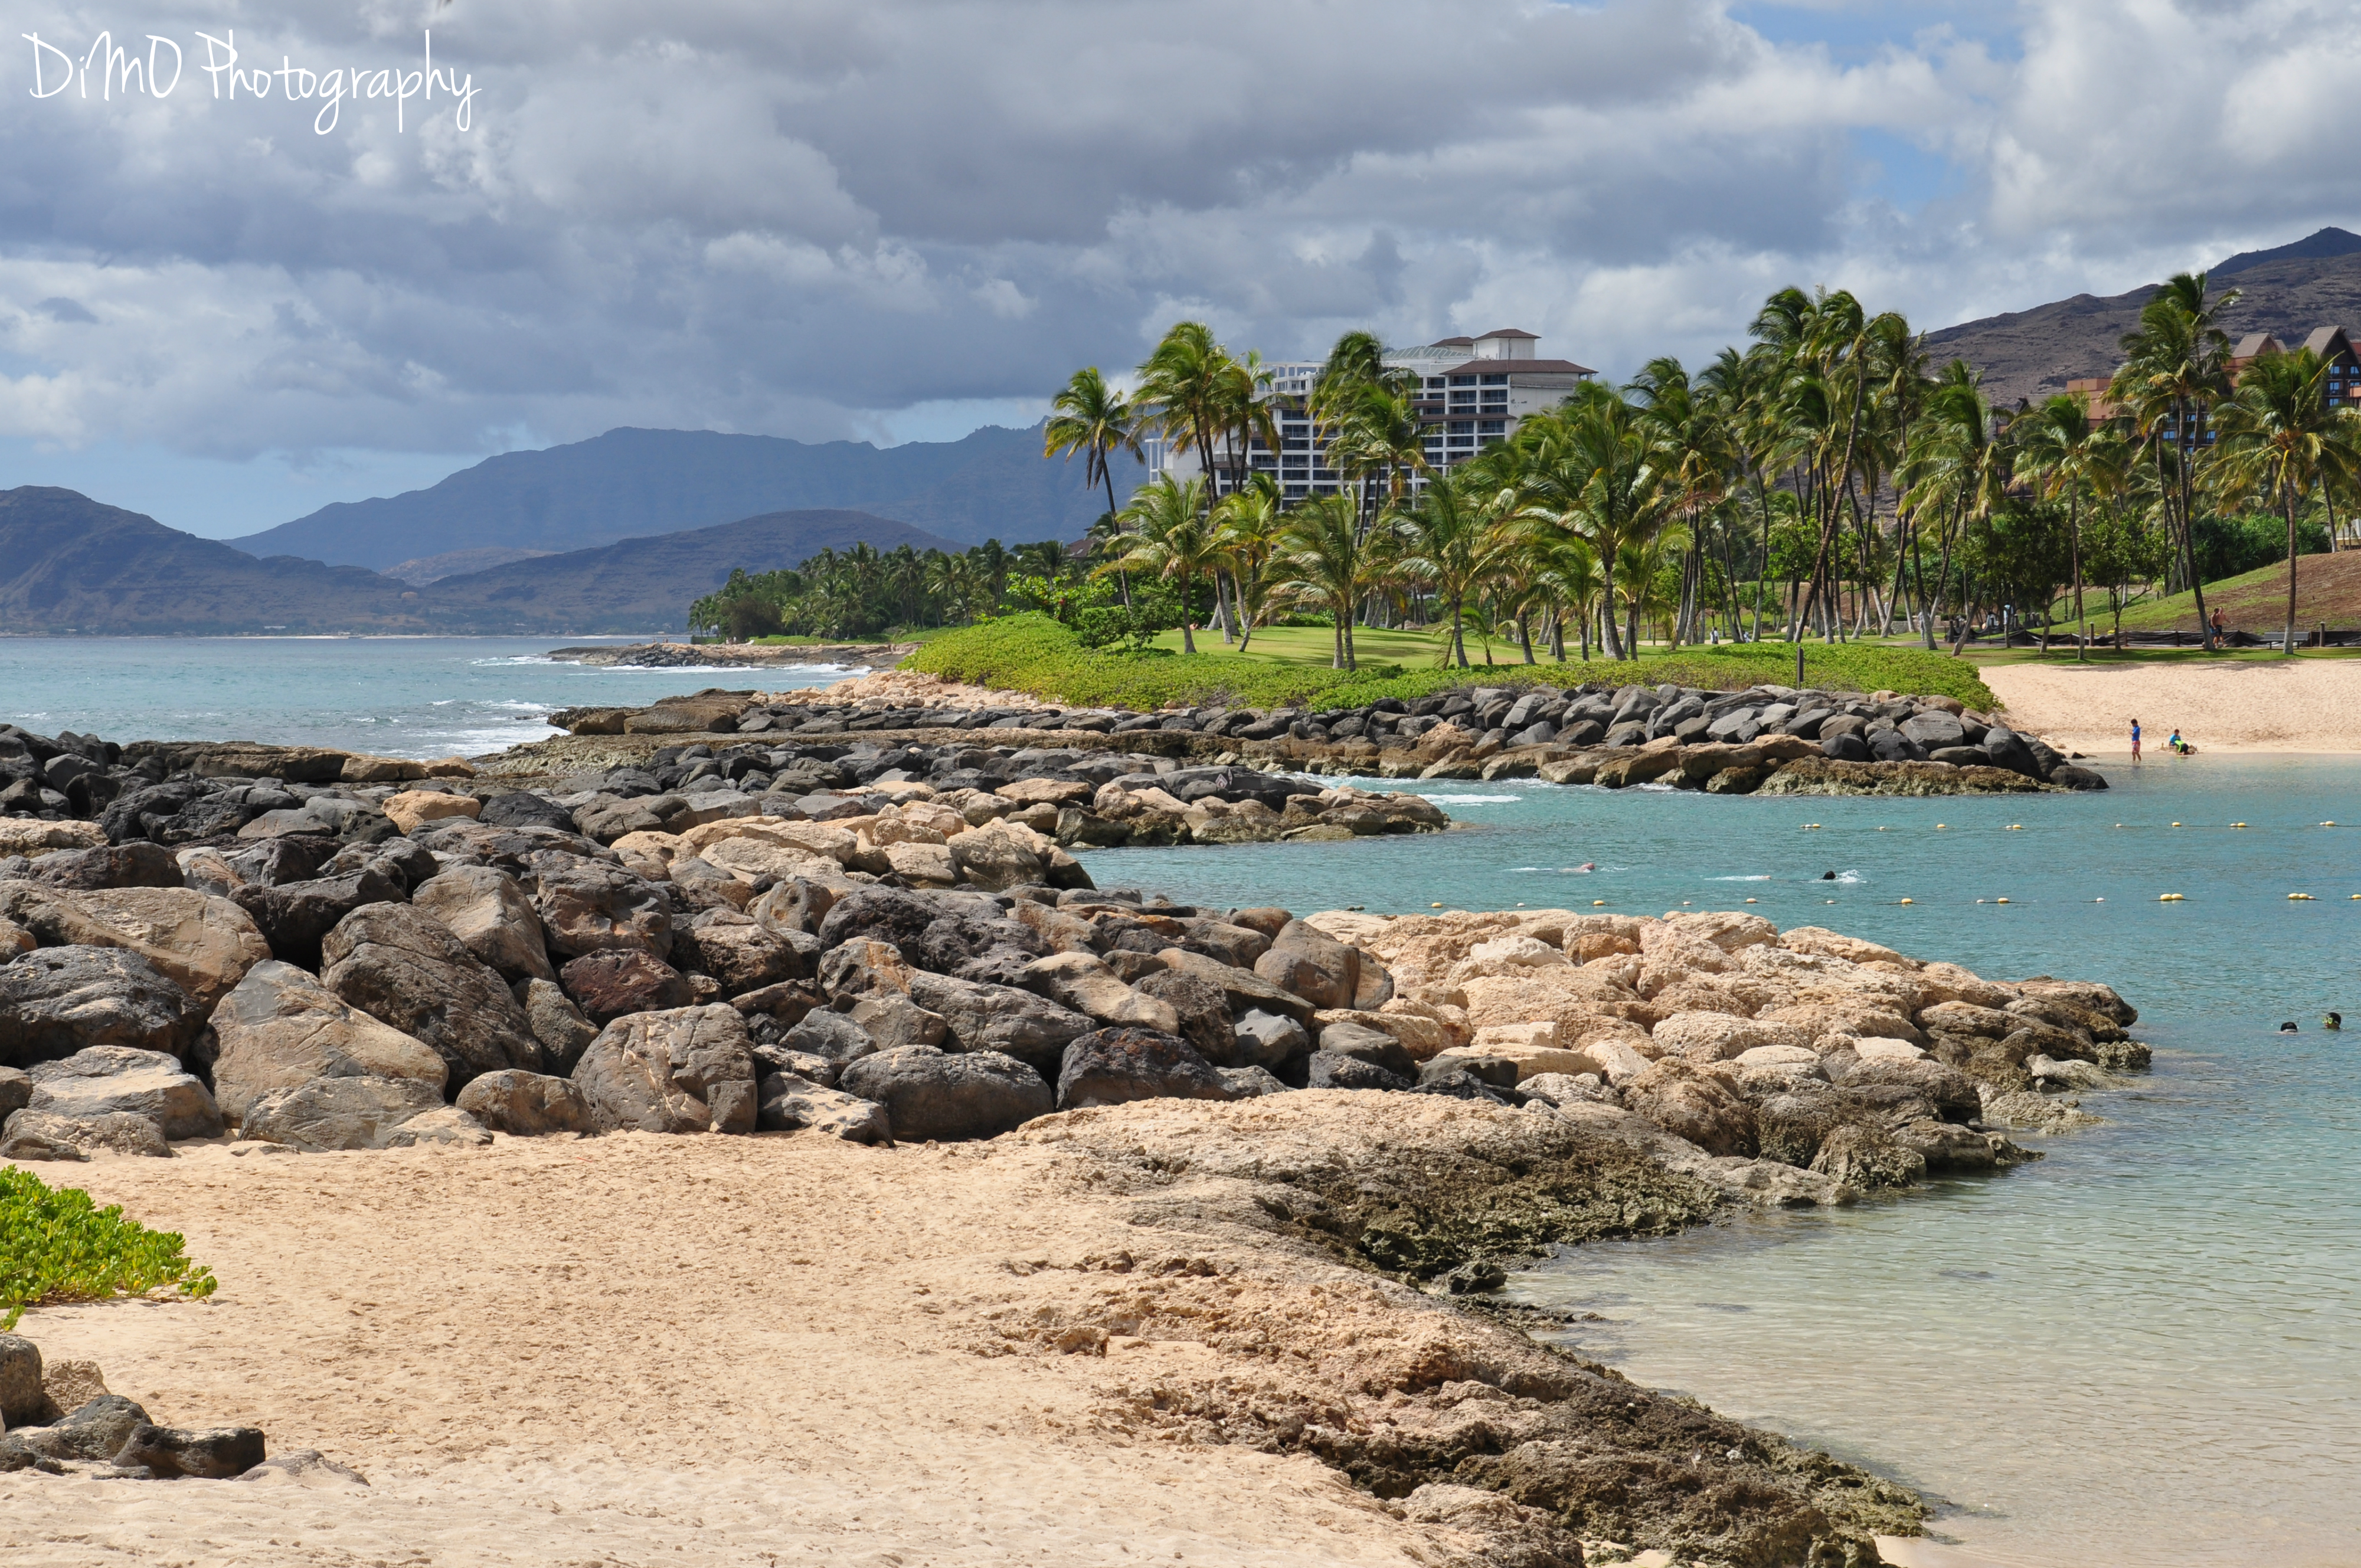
(393, 696)
(2145, 1348)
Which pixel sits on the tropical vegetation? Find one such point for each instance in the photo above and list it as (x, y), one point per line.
(57, 1245)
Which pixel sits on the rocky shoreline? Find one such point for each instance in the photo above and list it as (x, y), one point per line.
(354, 968)
(696, 655)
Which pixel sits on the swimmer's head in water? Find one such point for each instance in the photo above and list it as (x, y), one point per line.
(2289, 1027)
(2332, 1020)
(1827, 876)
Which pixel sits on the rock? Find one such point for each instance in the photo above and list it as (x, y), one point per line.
(1203, 1010)
(281, 1028)
(329, 1113)
(104, 1081)
(1088, 986)
(413, 808)
(1113, 1067)
(1313, 965)
(202, 943)
(623, 981)
(741, 954)
(520, 808)
(793, 1104)
(308, 1466)
(23, 1401)
(587, 906)
(1245, 989)
(830, 1036)
(1251, 1082)
(97, 1430)
(27, 835)
(1267, 1039)
(2006, 751)
(57, 1000)
(1862, 1157)
(979, 1017)
(1946, 1145)
(556, 1023)
(297, 915)
(29, 1136)
(72, 1383)
(527, 1104)
(798, 903)
(936, 1094)
(688, 1069)
(443, 1127)
(486, 909)
(402, 967)
(1950, 1091)
(1694, 1105)
(2067, 1074)
(1334, 1069)
(889, 914)
(16, 1089)
(894, 1020)
(1373, 1046)
(135, 864)
(212, 1453)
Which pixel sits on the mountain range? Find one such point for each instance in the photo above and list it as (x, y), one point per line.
(70, 563)
(630, 484)
(2287, 292)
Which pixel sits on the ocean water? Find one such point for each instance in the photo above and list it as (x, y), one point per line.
(2144, 1349)
(393, 696)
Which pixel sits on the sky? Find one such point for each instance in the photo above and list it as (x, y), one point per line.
(898, 220)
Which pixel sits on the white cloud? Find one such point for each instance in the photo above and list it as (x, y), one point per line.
(800, 217)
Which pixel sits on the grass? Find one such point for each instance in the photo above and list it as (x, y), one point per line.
(2327, 587)
(1034, 654)
(56, 1246)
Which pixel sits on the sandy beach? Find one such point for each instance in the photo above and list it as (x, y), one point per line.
(2299, 705)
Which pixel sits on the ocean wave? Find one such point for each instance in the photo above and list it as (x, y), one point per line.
(1475, 799)
(513, 659)
(1766, 877)
(1565, 871)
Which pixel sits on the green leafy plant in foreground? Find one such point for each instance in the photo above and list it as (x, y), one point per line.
(1034, 654)
(57, 1245)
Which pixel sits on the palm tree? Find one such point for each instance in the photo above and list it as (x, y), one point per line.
(1450, 537)
(2174, 370)
(1090, 417)
(1324, 558)
(1591, 472)
(1248, 524)
(1695, 454)
(1171, 535)
(1955, 466)
(2275, 437)
(2066, 454)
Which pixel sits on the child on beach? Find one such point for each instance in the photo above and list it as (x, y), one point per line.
(2135, 756)
(2174, 743)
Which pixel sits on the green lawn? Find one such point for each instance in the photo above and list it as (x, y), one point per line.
(2328, 588)
(1317, 645)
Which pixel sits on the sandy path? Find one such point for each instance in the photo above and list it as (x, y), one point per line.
(2299, 705)
(636, 1350)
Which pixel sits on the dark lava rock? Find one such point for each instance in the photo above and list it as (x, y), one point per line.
(937, 1095)
(1113, 1067)
(55, 1001)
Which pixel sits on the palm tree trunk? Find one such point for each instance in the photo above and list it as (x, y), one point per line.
(2074, 549)
(1458, 638)
(1525, 635)
(1188, 614)
(1610, 645)
(2287, 491)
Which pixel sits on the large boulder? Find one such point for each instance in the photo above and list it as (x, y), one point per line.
(520, 808)
(1267, 1039)
(210, 1454)
(528, 1104)
(96, 1430)
(980, 1017)
(402, 966)
(1084, 983)
(23, 1400)
(589, 906)
(1244, 989)
(1695, 1105)
(57, 1000)
(688, 1070)
(485, 908)
(135, 864)
(1203, 1009)
(940, 1094)
(329, 1114)
(110, 1080)
(202, 943)
(281, 1028)
(829, 1035)
(1311, 964)
(889, 914)
(623, 981)
(1113, 1067)
(741, 954)
(1335, 1069)
(794, 1103)
(564, 1033)
(297, 915)
(44, 1134)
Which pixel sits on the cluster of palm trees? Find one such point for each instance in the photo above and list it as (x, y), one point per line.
(1826, 479)
(863, 591)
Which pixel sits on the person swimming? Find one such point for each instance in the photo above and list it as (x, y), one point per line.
(1827, 876)
(2333, 1021)
(2288, 1028)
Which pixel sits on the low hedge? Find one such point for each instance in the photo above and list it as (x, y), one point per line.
(1034, 654)
(57, 1245)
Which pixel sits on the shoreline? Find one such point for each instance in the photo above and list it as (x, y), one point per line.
(2297, 707)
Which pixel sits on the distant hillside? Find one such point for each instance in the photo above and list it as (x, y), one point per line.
(634, 482)
(425, 569)
(645, 585)
(2327, 587)
(2031, 355)
(70, 563)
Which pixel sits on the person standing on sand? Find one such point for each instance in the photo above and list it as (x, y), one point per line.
(2135, 756)
(2220, 630)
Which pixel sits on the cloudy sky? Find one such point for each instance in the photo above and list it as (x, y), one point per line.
(899, 219)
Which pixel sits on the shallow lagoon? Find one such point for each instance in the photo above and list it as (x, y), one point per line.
(2144, 1349)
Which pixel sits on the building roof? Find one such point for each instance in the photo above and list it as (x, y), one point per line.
(1508, 332)
(2327, 341)
(2255, 344)
(1516, 367)
(1452, 343)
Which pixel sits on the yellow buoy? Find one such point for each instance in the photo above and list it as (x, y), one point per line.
(2237, 825)
(1910, 901)
(2176, 825)
(2300, 897)
(2172, 897)
(2017, 826)
(1598, 904)
(1434, 906)
(2000, 901)
(2356, 895)
(1940, 826)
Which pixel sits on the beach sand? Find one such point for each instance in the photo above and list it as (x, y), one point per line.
(702, 1350)
(2302, 704)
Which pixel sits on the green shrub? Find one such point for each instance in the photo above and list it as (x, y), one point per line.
(1034, 654)
(57, 1245)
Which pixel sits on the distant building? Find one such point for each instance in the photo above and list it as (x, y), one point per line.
(1471, 393)
(2331, 343)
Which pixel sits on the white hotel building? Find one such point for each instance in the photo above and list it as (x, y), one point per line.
(1472, 392)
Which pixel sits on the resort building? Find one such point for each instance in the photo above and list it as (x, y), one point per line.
(2331, 343)
(1470, 393)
